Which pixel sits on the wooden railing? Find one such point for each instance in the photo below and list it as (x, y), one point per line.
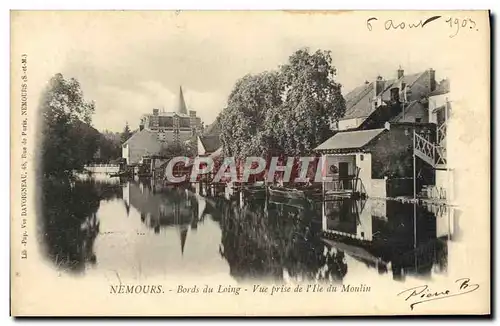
(427, 151)
(441, 133)
(424, 149)
(440, 155)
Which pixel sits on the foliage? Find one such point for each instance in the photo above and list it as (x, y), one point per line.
(109, 146)
(179, 149)
(243, 118)
(312, 102)
(68, 139)
(289, 111)
(126, 134)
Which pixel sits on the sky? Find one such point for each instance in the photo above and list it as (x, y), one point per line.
(132, 62)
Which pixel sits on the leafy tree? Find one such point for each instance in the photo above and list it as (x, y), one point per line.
(312, 102)
(126, 134)
(68, 140)
(178, 149)
(287, 112)
(245, 114)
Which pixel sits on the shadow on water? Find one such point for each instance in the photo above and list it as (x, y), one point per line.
(259, 238)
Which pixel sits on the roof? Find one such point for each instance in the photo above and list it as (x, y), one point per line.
(211, 143)
(407, 109)
(137, 133)
(409, 80)
(359, 100)
(442, 88)
(349, 139)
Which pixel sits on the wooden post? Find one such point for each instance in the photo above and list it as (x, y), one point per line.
(404, 109)
(414, 170)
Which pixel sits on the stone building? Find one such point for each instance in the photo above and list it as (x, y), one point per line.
(161, 129)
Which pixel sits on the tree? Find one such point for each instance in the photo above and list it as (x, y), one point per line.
(286, 112)
(178, 149)
(126, 134)
(312, 102)
(243, 118)
(68, 141)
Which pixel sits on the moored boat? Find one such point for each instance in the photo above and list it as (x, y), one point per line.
(254, 190)
(303, 192)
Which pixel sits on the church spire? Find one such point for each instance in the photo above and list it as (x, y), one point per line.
(182, 104)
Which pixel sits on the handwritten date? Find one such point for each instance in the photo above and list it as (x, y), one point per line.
(456, 24)
(421, 294)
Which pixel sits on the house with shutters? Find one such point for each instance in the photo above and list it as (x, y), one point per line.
(389, 143)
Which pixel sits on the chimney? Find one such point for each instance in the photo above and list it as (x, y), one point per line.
(401, 72)
(379, 85)
(432, 77)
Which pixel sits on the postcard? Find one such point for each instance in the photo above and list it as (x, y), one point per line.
(250, 163)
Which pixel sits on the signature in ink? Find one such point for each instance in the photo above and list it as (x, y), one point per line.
(421, 294)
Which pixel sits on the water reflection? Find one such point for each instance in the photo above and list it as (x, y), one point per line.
(172, 230)
(408, 239)
(69, 225)
(275, 241)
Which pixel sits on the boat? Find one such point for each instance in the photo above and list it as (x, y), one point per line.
(254, 190)
(301, 192)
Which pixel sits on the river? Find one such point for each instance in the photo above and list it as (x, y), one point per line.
(140, 229)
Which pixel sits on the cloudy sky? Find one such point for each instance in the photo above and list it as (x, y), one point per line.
(131, 62)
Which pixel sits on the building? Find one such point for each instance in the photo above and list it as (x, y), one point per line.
(161, 129)
(402, 99)
(376, 162)
(440, 103)
(393, 132)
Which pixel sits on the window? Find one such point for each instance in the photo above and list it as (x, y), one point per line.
(418, 120)
(361, 157)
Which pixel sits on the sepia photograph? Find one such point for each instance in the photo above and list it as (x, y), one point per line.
(234, 163)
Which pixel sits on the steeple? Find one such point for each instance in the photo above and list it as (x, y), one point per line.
(181, 105)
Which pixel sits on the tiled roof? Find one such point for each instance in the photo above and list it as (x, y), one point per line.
(442, 88)
(409, 80)
(349, 139)
(211, 143)
(359, 100)
(407, 108)
(137, 133)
